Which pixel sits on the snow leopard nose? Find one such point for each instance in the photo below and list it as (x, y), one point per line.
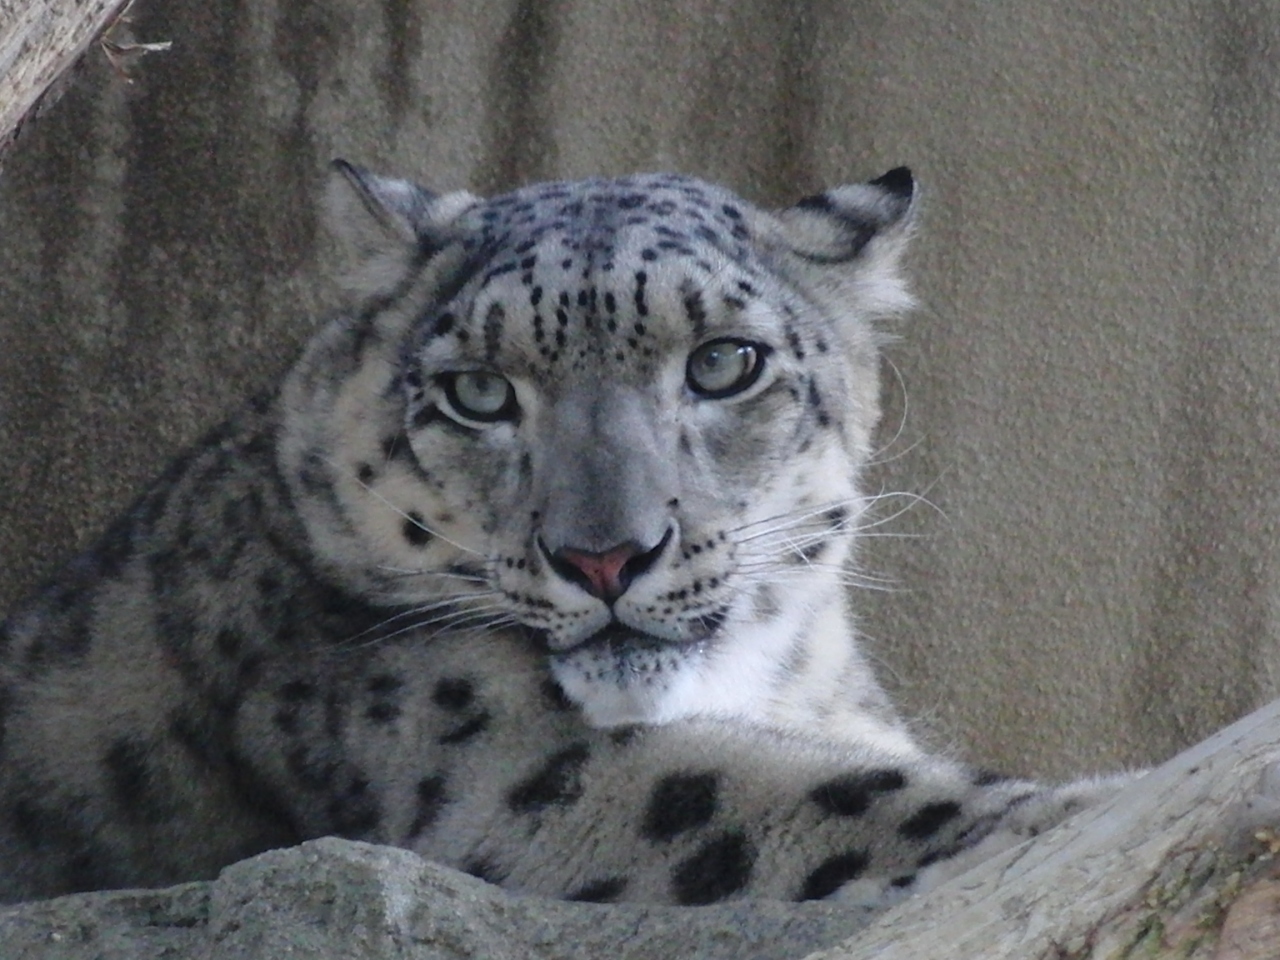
(605, 575)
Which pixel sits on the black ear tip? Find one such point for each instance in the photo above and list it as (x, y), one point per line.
(350, 170)
(899, 182)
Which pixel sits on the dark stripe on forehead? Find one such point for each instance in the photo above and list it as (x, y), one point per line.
(695, 309)
(495, 320)
(429, 324)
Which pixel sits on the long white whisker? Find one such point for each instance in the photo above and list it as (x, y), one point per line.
(441, 604)
(416, 521)
(855, 504)
(442, 624)
(443, 574)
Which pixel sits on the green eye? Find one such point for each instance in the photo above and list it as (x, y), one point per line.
(721, 368)
(480, 396)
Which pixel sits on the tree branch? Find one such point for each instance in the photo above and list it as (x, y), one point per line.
(40, 41)
(1179, 864)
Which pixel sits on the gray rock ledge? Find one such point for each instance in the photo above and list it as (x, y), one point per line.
(337, 899)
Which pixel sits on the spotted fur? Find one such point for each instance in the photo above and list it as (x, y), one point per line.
(535, 563)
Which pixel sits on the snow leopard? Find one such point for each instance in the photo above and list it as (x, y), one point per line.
(536, 563)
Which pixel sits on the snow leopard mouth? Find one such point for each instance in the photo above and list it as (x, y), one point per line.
(618, 638)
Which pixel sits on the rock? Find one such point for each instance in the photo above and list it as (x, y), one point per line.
(337, 899)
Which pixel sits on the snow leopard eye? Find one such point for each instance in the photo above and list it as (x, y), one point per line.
(479, 396)
(721, 368)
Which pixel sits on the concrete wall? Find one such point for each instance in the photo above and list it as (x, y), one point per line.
(1091, 391)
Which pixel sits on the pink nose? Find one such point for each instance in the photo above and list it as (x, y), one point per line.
(603, 571)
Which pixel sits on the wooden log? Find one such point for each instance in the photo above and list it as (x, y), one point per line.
(40, 41)
(1182, 863)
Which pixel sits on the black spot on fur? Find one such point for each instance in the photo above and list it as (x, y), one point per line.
(229, 642)
(558, 783)
(313, 475)
(793, 340)
(384, 684)
(833, 873)
(695, 309)
(851, 795)
(494, 321)
(599, 891)
(935, 856)
(133, 782)
(464, 732)
(815, 401)
(296, 691)
(903, 881)
(428, 415)
(813, 551)
(719, 869)
(287, 719)
(988, 778)
(385, 690)
(836, 517)
(708, 624)
(929, 819)
(86, 864)
(555, 696)
(622, 736)
(196, 736)
(484, 869)
(396, 447)
(355, 812)
(313, 769)
(678, 803)
(431, 802)
(415, 531)
(453, 693)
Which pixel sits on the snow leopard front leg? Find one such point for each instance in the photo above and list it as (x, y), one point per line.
(421, 745)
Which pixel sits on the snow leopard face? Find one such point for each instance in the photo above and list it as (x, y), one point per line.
(625, 417)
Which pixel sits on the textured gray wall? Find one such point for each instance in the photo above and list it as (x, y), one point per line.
(1092, 387)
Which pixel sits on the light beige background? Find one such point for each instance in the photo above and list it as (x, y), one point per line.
(1092, 387)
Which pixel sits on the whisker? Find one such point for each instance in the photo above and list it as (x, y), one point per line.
(877, 455)
(439, 625)
(784, 525)
(416, 521)
(845, 579)
(443, 603)
(795, 518)
(443, 574)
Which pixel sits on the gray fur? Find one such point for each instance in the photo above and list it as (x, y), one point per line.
(492, 577)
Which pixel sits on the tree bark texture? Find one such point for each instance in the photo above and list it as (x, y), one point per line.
(1182, 863)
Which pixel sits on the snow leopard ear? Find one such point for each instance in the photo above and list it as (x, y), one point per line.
(850, 239)
(387, 224)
